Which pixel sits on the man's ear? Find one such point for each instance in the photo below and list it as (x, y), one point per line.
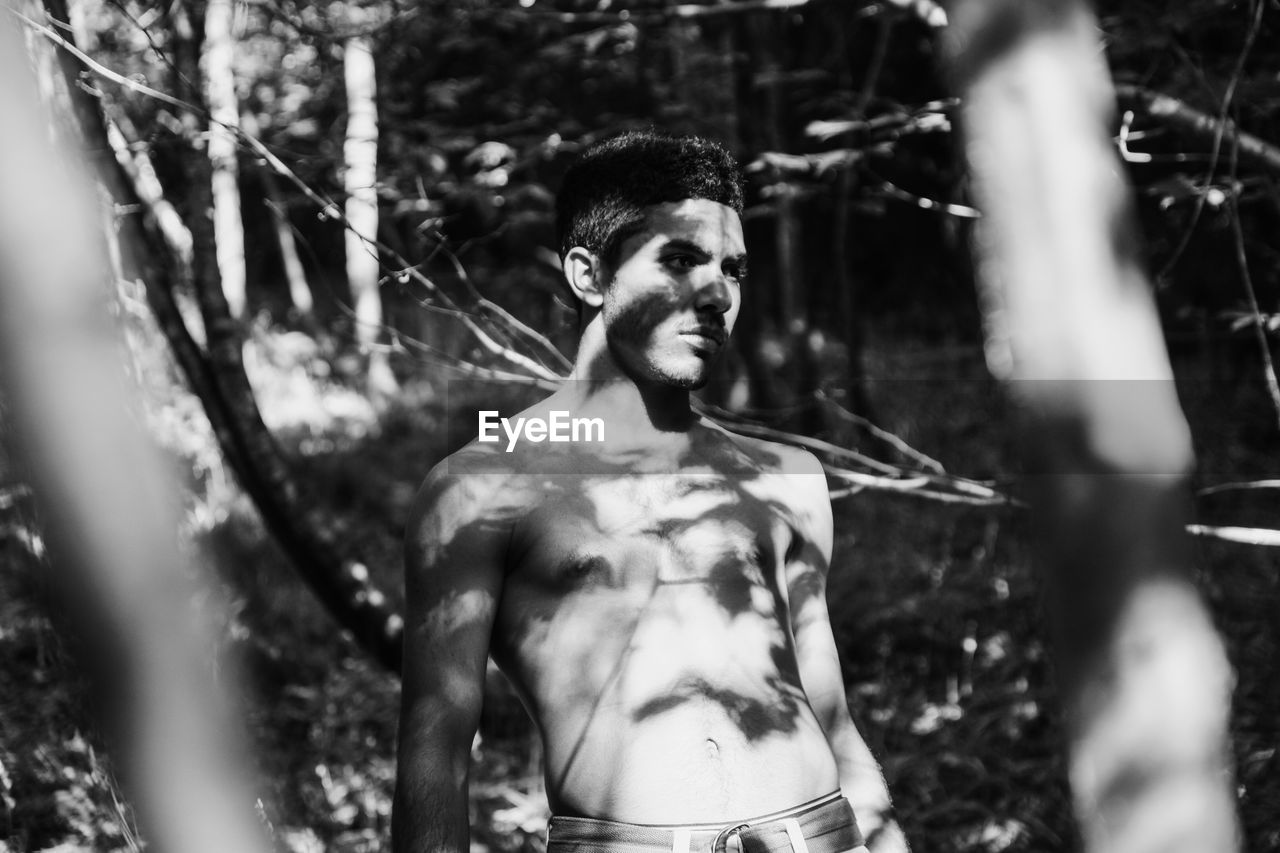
(585, 276)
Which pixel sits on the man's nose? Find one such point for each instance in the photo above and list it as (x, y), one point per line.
(714, 293)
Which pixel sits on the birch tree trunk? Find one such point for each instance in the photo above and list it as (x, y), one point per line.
(224, 110)
(360, 153)
(1072, 327)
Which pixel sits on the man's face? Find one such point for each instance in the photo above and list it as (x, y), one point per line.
(675, 292)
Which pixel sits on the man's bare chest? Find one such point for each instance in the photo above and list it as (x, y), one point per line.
(638, 532)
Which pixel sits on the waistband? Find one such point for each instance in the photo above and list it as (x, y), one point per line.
(823, 825)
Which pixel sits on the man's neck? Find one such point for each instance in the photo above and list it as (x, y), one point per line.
(640, 408)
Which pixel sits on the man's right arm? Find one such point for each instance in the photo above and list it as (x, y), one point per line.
(453, 579)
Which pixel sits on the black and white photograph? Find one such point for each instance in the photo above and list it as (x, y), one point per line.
(639, 426)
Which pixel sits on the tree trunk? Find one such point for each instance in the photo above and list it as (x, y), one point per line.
(107, 508)
(360, 153)
(1072, 327)
(295, 274)
(224, 109)
(218, 376)
(177, 238)
(301, 530)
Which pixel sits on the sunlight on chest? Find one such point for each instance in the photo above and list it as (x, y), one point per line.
(693, 527)
(689, 632)
(635, 502)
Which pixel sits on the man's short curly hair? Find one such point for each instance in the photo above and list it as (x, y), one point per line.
(604, 194)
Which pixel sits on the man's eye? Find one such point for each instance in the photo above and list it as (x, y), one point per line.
(683, 262)
(735, 272)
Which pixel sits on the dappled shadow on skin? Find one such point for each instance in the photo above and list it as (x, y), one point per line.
(754, 718)
(671, 580)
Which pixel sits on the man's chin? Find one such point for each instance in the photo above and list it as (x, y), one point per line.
(692, 381)
(691, 375)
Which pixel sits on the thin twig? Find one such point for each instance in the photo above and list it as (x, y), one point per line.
(936, 475)
(1236, 487)
(97, 67)
(1259, 325)
(443, 359)
(970, 491)
(744, 427)
(856, 481)
(485, 307)
(1219, 131)
(119, 6)
(883, 434)
(1242, 260)
(961, 211)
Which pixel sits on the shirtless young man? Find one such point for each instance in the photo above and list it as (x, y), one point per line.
(656, 598)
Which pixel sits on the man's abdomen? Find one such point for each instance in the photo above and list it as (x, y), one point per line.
(691, 763)
(700, 716)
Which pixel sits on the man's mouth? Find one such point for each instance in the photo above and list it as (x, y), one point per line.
(706, 337)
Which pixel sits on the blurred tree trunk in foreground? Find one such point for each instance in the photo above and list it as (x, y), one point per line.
(1072, 326)
(107, 507)
(216, 373)
(360, 153)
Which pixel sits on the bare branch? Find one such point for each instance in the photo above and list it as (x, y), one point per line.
(1244, 535)
(879, 474)
(884, 435)
(330, 209)
(97, 67)
(929, 117)
(962, 211)
(1232, 487)
(1254, 151)
(467, 368)
(915, 486)
(927, 11)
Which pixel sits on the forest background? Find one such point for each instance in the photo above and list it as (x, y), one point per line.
(358, 254)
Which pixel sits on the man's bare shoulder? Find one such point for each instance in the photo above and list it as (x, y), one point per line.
(774, 457)
(494, 478)
(796, 479)
(472, 485)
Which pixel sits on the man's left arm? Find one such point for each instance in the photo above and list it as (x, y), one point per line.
(819, 663)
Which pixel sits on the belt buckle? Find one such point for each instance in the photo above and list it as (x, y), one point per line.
(721, 842)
